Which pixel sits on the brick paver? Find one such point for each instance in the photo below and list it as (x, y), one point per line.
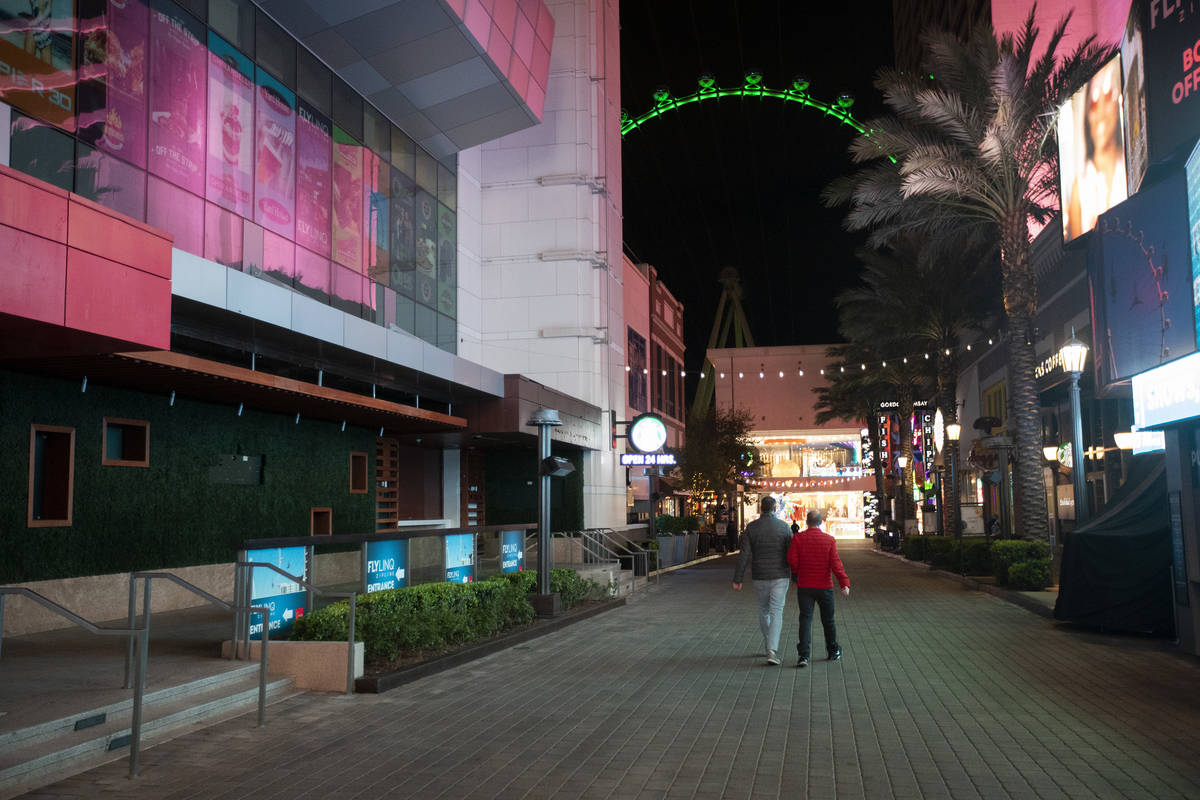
(942, 693)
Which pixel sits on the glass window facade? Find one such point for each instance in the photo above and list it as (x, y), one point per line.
(207, 120)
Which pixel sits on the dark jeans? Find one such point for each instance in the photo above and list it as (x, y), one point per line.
(824, 599)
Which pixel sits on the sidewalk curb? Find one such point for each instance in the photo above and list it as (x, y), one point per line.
(378, 684)
(1016, 598)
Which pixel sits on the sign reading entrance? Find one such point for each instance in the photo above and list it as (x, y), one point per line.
(285, 597)
(512, 551)
(387, 565)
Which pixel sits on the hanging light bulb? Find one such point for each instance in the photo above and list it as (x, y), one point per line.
(802, 373)
(627, 368)
(885, 364)
(781, 373)
(740, 375)
(701, 374)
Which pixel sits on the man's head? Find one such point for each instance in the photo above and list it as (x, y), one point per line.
(813, 518)
(767, 506)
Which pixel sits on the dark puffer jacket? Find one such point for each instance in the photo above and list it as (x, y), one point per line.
(765, 549)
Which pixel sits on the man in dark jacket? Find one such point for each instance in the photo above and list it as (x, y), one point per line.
(813, 557)
(765, 547)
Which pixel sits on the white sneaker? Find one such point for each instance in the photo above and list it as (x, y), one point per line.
(772, 658)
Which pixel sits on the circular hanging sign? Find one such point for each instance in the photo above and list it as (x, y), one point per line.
(939, 430)
(1066, 456)
(647, 433)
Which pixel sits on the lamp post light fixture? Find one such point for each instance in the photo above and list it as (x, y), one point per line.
(902, 506)
(1074, 354)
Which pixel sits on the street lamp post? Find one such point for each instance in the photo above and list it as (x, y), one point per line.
(953, 431)
(1074, 354)
(902, 505)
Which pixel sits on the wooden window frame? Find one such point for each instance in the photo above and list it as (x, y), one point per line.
(364, 488)
(121, 462)
(51, 523)
(324, 512)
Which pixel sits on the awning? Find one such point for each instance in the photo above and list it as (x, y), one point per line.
(164, 371)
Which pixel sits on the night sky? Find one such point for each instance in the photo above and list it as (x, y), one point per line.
(736, 182)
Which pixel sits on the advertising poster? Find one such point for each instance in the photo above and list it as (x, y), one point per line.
(1133, 73)
(426, 208)
(285, 597)
(177, 97)
(347, 200)
(37, 65)
(1091, 151)
(387, 565)
(377, 174)
(1140, 273)
(1193, 197)
(460, 557)
(403, 233)
(1169, 35)
(314, 179)
(275, 157)
(230, 133)
(112, 80)
(447, 281)
(512, 551)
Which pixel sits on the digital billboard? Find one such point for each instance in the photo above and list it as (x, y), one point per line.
(275, 156)
(1170, 32)
(113, 62)
(37, 64)
(1133, 74)
(1193, 192)
(230, 130)
(460, 557)
(1091, 151)
(347, 200)
(314, 179)
(1167, 394)
(283, 596)
(1139, 274)
(178, 79)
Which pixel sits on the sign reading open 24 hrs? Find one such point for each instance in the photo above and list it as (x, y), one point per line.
(647, 433)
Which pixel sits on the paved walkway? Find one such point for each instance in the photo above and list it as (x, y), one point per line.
(942, 693)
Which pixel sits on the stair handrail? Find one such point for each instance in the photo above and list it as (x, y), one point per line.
(141, 635)
(243, 588)
(638, 553)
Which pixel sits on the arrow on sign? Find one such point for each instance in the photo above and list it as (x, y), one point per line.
(288, 614)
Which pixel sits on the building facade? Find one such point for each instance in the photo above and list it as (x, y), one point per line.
(282, 268)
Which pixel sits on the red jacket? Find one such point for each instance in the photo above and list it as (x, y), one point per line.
(813, 557)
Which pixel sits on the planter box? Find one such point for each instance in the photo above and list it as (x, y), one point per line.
(320, 666)
(691, 547)
(666, 551)
(680, 549)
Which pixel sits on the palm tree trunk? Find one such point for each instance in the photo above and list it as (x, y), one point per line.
(1020, 303)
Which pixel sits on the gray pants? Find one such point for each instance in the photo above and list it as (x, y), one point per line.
(772, 594)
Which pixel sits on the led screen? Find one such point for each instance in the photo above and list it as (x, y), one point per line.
(1139, 272)
(1091, 153)
(314, 179)
(37, 65)
(177, 97)
(447, 279)
(1170, 31)
(112, 80)
(1133, 73)
(1193, 190)
(403, 231)
(275, 157)
(230, 130)
(347, 200)
(426, 208)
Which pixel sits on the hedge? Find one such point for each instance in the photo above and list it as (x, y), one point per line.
(413, 618)
(1007, 552)
(978, 555)
(1032, 575)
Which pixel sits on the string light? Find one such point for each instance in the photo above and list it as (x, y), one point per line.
(781, 373)
(627, 368)
(740, 376)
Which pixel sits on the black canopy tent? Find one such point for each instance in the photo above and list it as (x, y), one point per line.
(1116, 568)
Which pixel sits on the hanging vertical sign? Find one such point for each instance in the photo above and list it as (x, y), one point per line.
(314, 179)
(230, 126)
(285, 597)
(275, 157)
(386, 565)
(177, 97)
(512, 551)
(460, 557)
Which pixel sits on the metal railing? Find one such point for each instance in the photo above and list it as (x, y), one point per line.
(599, 546)
(242, 587)
(139, 639)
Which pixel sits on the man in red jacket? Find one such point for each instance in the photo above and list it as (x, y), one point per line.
(813, 557)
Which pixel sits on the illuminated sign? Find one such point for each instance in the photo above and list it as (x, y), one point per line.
(1048, 365)
(460, 557)
(1091, 151)
(648, 460)
(1166, 394)
(512, 551)
(386, 566)
(647, 433)
(285, 597)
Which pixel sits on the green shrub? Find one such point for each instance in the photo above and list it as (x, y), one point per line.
(417, 617)
(691, 523)
(914, 547)
(941, 552)
(571, 588)
(1007, 552)
(976, 556)
(1032, 575)
(665, 525)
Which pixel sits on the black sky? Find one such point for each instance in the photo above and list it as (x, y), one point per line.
(737, 183)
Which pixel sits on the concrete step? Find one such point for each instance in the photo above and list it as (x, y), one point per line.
(42, 754)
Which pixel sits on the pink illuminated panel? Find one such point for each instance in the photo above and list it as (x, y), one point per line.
(314, 179)
(223, 239)
(177, 98)
(517, 35)
(312, 274)
(347, 200)
(279, 258)
(37, 67)
(177, 212)
(113, 68)
(275, 157)
(230, 127)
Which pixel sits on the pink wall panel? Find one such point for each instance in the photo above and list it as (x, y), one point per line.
(100, 231)
(504, 14)
(523, 39)
(34, 276)
(478, 22)
(111, 299)
(545, 25)
(28, 204)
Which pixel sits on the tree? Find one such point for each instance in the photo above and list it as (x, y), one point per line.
(717, 450)
(975, 149)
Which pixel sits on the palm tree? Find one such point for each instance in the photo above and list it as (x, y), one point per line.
(922, 299)
(975, 149)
